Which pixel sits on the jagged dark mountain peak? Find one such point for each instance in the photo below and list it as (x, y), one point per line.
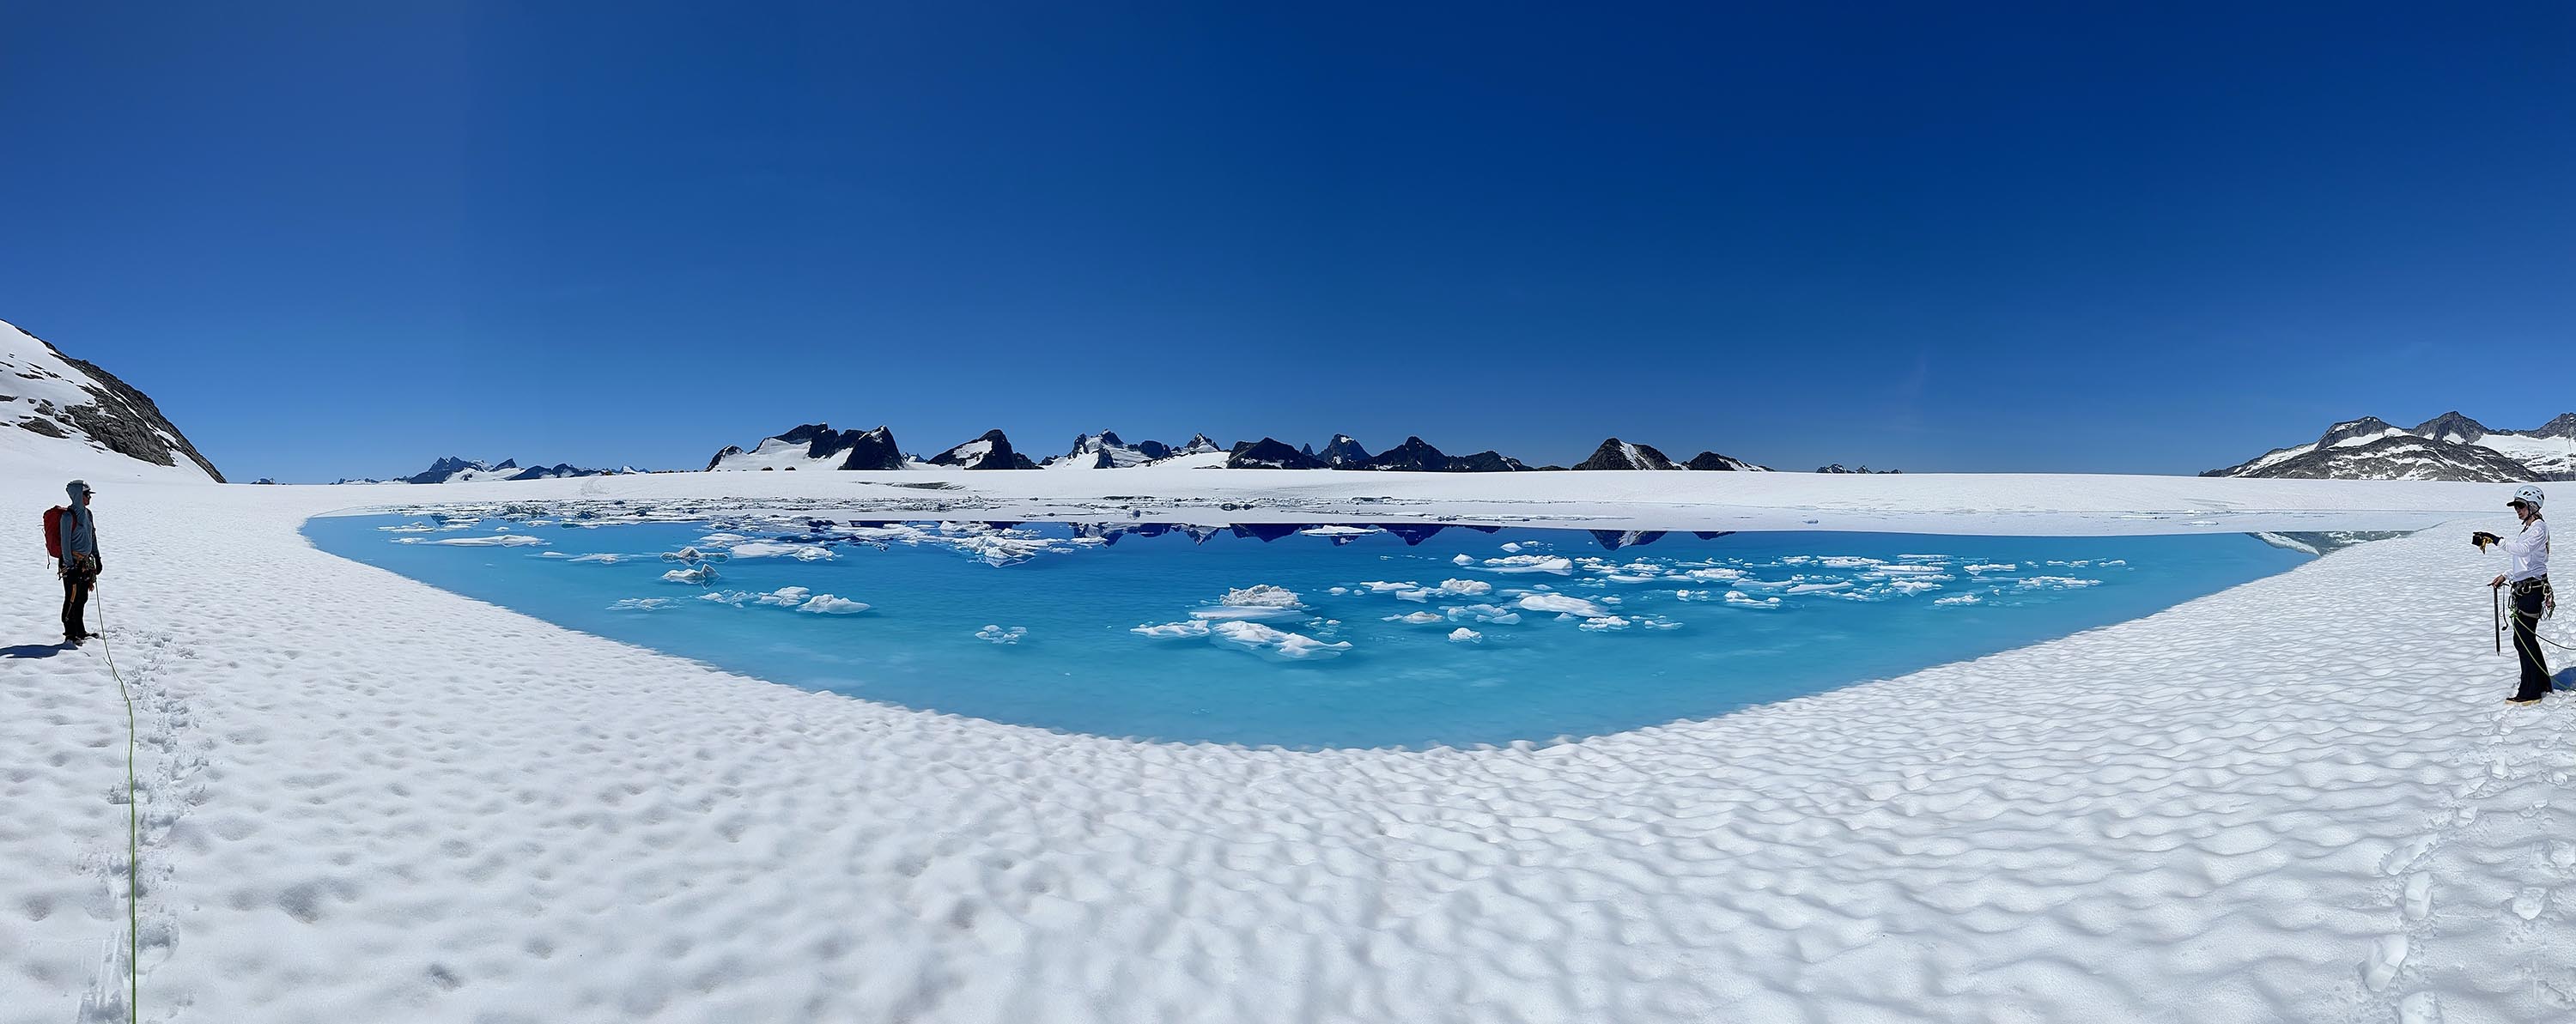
(1270, 453)
(2452, 426)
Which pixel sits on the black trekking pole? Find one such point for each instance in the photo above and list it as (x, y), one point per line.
(2495, 603)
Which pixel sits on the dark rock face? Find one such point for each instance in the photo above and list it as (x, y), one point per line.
(2451, 426)
(557, 471)
(1862, 471)
(1342, 451)
(1616, 539)
(2447, 447)
(439, 471)
(855, 449)
(2562, 425)
(1199, 445)
(1717, 462)
(1487, 461)
(119, 417)
(1413, 456)
(1270, 453)
(1617, 454)
(989, 451)
(867, 449)
(2401, 457)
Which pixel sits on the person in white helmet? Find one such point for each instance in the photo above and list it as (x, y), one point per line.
(2528, 574)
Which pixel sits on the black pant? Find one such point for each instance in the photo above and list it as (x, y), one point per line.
(2526, 643)
(76, 587)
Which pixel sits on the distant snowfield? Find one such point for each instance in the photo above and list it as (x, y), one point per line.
(368, 799)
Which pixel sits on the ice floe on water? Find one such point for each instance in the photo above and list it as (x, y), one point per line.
(1260, 601)
(1515, 564)
(1464, 635)
(497, 540)
(772, 549)
(1275, 643)
(826, 604)
(642, 604)
(1419, 618)
(1561, 604)
(1001, 635)
(696, 575)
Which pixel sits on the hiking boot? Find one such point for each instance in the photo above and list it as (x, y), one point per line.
(72, 639)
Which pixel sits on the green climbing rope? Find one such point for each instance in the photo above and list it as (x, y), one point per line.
(133, 838)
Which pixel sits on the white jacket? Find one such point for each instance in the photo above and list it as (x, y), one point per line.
(2529, 552)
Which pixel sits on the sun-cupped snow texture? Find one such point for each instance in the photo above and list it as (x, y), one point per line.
(368, 799)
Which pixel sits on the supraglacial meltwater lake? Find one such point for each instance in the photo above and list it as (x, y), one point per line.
(1301, 636)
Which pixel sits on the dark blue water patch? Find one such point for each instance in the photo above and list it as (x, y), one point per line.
(1338, 637)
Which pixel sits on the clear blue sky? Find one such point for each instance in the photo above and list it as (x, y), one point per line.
(337, 239)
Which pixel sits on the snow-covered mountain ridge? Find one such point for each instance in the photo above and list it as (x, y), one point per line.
(74, 407)
(2447, 447)
(817, 446)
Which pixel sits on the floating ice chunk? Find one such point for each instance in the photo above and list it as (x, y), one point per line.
(717, 540)
(1338, 591)
(1604, 623)
(787, 597)
(1961, 599)
(692, 556)
(2056, 583)
(603, 558)
(1344, 532)
(1558, 564)
(1562, 604)
(407, 540)
(1415, 594)
(426, 528)
(1819, 588)
(699, 574)
(1912, 586)
(772, 549)
(1849, 562)
(1495, 614)
(1740, 599)
(1174, 630)
(496, 540)
(1419, 618)
(1384, 587)
(1464, 560)
(1994, 567)
(1763, 584)
(1512, 548)
(1263, 640)
(1714, 574)
(826, 604)
(1466, 588)
(1261, 595)
(1658, 622)
(1464, 635)
(640, 604)
(994, 633)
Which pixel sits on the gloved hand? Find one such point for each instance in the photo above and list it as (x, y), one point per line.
(2483, 538)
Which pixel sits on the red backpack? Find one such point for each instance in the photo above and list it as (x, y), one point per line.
(54, 532)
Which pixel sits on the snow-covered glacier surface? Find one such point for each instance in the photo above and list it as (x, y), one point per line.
(1303, 636)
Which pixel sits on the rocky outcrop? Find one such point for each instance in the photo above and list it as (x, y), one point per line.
(52, 395)
(989, 451)
(1712, 461)
(816, 446)
(1270, 453)
(1618, 454)
(1343, 451)
(2447, 447)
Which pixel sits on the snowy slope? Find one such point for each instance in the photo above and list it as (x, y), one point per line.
(2447, 447)
(52, 403)
(367, 799)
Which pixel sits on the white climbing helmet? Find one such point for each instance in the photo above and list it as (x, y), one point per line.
(2527, 494)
